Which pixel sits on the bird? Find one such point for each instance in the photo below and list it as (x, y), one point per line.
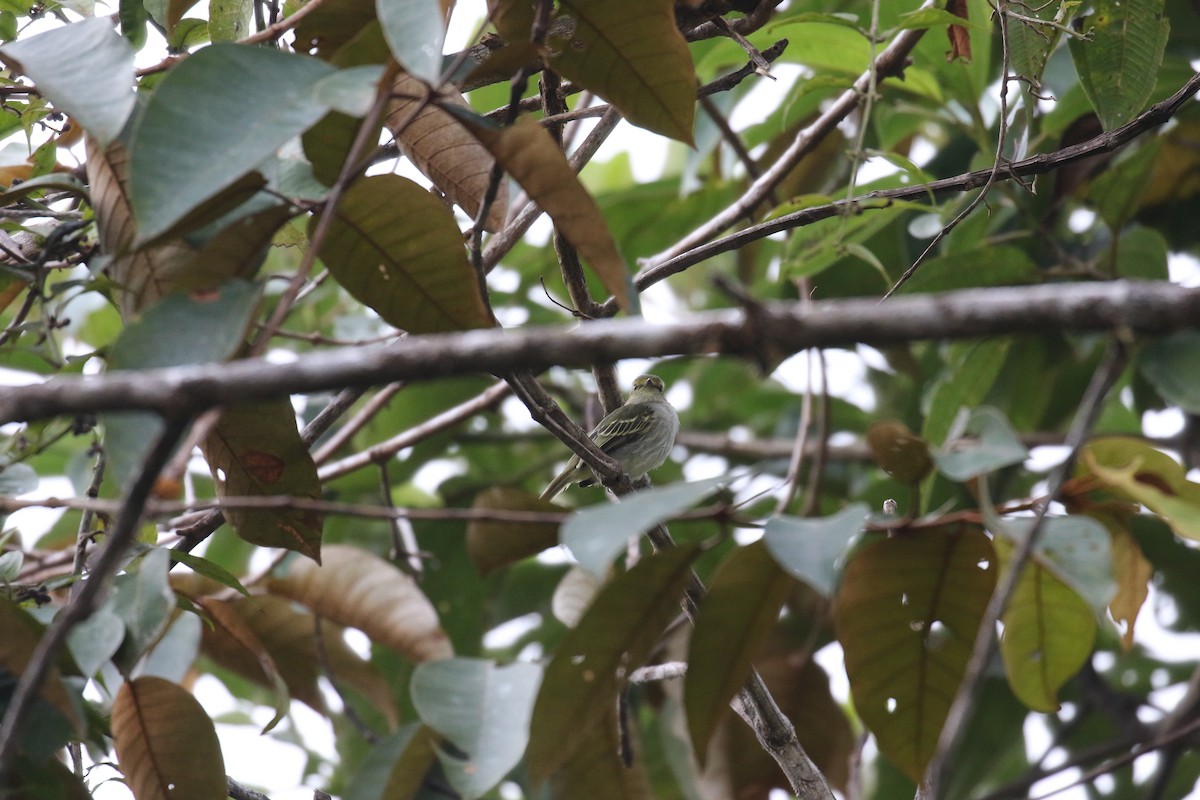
(639, 435)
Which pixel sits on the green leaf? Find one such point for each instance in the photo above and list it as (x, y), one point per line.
(971, 369)
(1048, 635)
(214, 118)
(397, 250)
(615, 636)
(596, 535)
(1170, 366)
(350, 91)
(229, 20)
(415, 31)
(1078, 550)
(17, 479)
(1119, 66)
(94, 640)
(990, 266)
(981, 441)
(632, 54)
(811, 549)
(907, 615)
(739, 610)
(144, 601)
(209, 569)
(395, 767)
(1117, 192)
(94, 83)
(484, 709)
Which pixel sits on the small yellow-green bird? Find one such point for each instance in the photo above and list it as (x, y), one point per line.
(639, 435)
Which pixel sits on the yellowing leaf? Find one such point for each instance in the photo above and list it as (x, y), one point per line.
(360, 590)
(1133, 572)
(536, 162)
(1048, 634)
(166, 745)
(445, 152)
(1147, 476)
(396, 248)
(255, 451)
(631, 53)
(907, 615)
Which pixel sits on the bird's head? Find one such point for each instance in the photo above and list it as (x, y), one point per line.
(651, 383)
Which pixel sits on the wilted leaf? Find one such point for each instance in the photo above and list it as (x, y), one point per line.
(907, 615)
(615, 636)
(397, 250)
(528, 153)
(493, 544)
(231, 624)
(483, 709)
(898, 451)
(811, 549)
(1133, 573)
(255, 451)
(597, 534)
(21, 635)
(739, 610)
(166, 745)
(1146, 476)
(85, 69)
(288, 636)
(631, 53)
(444, 151)
(960, 37)
(1049, 631)
(360, 590)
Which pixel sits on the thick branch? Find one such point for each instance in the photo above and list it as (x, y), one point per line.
(779, 328)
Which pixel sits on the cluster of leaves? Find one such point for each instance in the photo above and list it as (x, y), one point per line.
(237, 165)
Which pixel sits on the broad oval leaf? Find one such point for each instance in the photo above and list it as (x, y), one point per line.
(415, 31)
(811, 549)
(255, 451)
(85, 69)
(1049, 631)
(980, 442)
(188, 145)
(898, 451)
(443, 150)
(360, 590)
(1170, 364)
(1119, 65)
(143, 600)
(483, 709)
(492, 544)
(397, 250)
(739, 610)
(1078, 550)
(614, 637)
(166, 745)
(224, 619)
(532, 158)
(907, 615)
(597, 534)
(631, 53)
(94, 640)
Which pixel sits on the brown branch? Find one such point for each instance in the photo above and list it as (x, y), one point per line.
(1132, 307)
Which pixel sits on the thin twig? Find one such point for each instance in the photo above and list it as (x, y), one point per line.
(959, 716)
(356, 423)
(88, 598)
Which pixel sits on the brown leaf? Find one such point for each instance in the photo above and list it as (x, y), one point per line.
(531, 156)
(360, 590)
(492, 545)
(255, 451)
(166, 744)
(960, 37)
(446, 153)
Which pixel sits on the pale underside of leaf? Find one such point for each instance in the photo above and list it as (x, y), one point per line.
(446, 153)
(360, 590)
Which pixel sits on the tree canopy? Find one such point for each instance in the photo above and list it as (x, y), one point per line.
(308, 310)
